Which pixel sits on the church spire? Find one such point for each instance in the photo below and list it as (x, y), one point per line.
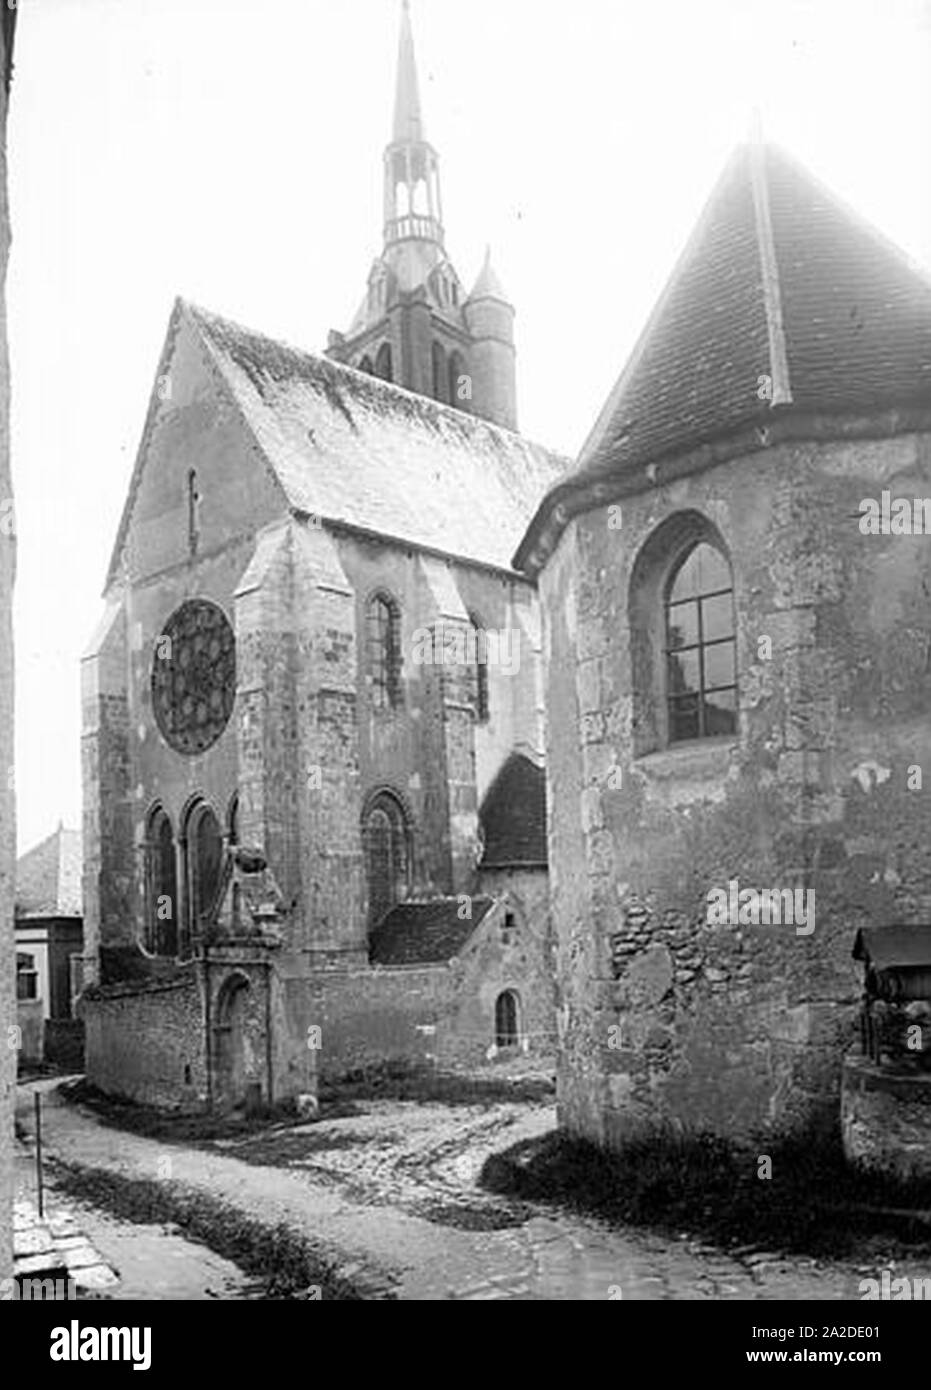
(412, 175)
(408, 121)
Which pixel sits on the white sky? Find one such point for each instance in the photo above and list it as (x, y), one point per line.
(230, 151)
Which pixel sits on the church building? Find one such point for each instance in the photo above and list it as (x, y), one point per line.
(314, 820)
(737, 618)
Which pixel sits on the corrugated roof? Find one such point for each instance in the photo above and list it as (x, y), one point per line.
(779, 279)
(513, 815)
(351, 448)
(48, 877)
(425, 933)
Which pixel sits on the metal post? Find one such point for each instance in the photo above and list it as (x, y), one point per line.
(38, 1107)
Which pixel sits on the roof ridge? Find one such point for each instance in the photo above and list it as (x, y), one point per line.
(442, 408)
(781, 382)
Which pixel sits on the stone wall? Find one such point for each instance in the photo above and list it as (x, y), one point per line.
(367, 1017)
(147, 1042)
(7, 805)
(516, 952)
(443, 1014)
(147, 1045)
(736, 1029)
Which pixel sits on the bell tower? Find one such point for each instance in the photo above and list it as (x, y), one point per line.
(416, 326)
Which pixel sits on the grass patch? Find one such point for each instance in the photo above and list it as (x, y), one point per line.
(407, 1081)
(814, 1204)
(181, 1127)
(286, 1264)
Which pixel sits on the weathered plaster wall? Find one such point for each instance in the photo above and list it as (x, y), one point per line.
(665, 1019)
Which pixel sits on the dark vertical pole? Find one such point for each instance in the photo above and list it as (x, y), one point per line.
(38, 1105)
(269, 1063)
(208, 1029)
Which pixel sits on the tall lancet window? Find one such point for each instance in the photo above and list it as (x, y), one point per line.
(193, 512)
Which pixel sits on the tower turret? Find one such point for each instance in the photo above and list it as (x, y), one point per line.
(489, 316)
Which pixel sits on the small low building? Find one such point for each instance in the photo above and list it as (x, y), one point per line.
(886, 1088)
(49, 951)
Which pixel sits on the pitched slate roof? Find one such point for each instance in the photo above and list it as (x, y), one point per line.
(894, 947)
(48, 877)
(779, 280)
(348, 447)
(424, 933)
(513, 815)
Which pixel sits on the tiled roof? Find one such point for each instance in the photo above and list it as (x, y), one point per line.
(779, 280)
(350, 447)
(894, 947)
(48, 877)
(513, 815)
(425, 933)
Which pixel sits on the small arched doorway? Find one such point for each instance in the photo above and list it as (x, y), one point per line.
(234, 1064)
(507, 1021)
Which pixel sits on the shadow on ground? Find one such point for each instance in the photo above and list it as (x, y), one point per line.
(813, 1204)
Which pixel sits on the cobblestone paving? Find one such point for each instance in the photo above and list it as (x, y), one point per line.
(367, 1224)
(55, 1241)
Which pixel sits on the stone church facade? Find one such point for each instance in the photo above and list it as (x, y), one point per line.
(315, 692)
(735, 585)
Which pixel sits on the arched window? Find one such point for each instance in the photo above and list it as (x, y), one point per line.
(161, 937)
(232, 820)
(701, 670)
(383, 362)
(203, 845)
(383, 623)
(507, 1024)
(482, 710)
(456, 372)
(385, 845)
(439, 373)
(366, 365)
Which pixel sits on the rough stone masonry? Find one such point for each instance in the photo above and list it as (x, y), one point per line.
(784, 377)
(7, 828)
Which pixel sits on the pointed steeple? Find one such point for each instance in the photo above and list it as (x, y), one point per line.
(408, 120)
(416, 326)
(488, 285)
(413, 211)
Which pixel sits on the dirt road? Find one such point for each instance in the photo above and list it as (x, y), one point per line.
(389, 1191)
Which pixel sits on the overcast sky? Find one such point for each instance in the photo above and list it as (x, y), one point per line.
(230, 151)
